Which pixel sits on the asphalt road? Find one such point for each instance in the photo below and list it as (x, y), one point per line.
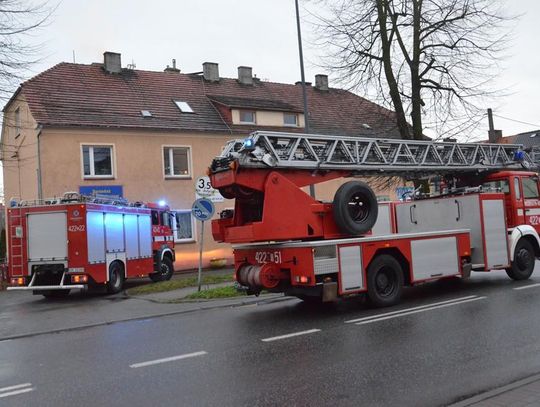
(446, 341)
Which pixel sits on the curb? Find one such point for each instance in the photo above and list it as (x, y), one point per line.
(268, 300)
(495, 392)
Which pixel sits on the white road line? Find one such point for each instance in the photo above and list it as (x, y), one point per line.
(169, 359)
(523, 287)
(16, 389)
(17, 386)
(420, 310)
(409, 309)
(277, 338)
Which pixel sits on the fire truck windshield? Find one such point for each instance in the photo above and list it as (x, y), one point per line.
(499, 186)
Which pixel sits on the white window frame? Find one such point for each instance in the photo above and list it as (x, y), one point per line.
(247, 110)
(290, 114)
(193, 227)
(190, 162)
(92, 169)
(183, 106)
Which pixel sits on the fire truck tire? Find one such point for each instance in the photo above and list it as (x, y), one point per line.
(116, 278)
(385, 281)
(167, 270)
(355, 208)
(523, 263)
(55, 293)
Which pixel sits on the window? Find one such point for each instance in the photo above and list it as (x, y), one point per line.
(247, 116)
(176, 162)
(183, 106)
(497, 186)
(183, 226)
(155, 218)
(517, 191)
(146, 113)
(17, 122)
(290, 119)
(97, 161)
(530, 188)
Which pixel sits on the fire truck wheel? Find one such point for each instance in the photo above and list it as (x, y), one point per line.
(355, 208)
(523, 263)
(167, 270)
(116, 278)
(55, 293)
(385, 281)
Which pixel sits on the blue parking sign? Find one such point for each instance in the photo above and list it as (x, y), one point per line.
(202, 209)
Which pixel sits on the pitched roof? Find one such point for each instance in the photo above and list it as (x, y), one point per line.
(85, 95)
(528, 139)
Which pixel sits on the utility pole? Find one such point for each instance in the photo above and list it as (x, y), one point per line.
(303, 79)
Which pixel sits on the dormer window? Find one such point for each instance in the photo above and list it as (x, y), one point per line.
(247, 116)
(183, 106)
(290, 119)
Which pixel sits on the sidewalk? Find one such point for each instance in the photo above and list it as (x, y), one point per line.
(523, 393)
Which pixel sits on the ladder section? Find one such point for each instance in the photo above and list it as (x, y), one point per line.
(369, 156)
(15, 231)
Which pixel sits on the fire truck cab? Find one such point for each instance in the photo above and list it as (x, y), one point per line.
(78, 242)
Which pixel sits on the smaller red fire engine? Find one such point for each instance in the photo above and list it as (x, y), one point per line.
(60, 244)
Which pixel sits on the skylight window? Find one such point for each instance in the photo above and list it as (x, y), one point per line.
(146, 113)
(183, 106)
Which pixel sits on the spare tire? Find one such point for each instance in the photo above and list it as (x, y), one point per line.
(355, 208)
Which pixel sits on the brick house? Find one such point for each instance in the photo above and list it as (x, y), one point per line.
(148, 135)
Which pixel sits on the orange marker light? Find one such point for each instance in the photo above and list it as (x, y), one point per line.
(304, 279)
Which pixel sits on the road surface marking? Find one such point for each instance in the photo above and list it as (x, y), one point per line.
(277, 338)
(419, 310)
(169, 359)
(16, 389)
(410, 309)
(523, 287)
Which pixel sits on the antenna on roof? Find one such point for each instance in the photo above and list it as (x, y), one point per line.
(73, 56)
(132, 65)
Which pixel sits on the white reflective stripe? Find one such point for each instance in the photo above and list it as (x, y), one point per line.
(159, 238)
(170, 359)
(275, 338)
(534, 211)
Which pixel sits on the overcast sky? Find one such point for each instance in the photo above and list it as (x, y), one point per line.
(256, 33)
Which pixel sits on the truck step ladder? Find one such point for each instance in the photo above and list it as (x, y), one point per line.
(370, 156)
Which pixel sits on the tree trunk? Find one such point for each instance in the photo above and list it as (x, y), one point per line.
(403, 126)
(416, 97)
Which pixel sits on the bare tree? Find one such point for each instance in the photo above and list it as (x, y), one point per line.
(19, 47)
(431, 59)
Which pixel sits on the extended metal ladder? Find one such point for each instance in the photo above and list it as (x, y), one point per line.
(370, 156)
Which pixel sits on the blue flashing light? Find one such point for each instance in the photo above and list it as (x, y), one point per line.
(162, 202)
(519, 155)
(249, 144)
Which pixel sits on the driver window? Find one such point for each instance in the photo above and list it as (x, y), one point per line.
(530, 188)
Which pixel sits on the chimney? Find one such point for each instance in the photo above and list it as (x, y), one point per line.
(494, 136)
(245, 76)
(210, 71)
(321, 82)
(174, 69)
(112, 62)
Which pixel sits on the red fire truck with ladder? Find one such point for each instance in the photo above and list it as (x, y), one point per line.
(487, 218)
(56, 245)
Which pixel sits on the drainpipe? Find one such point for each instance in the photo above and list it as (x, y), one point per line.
(40, 188)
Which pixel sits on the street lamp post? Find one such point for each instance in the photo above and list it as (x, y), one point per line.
(303, 78)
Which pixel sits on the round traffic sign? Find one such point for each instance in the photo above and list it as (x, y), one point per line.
(202, 209)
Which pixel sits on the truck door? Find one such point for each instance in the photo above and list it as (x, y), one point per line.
(531, 199)
(515, 209)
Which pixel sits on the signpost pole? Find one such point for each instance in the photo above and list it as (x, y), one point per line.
(199, 277)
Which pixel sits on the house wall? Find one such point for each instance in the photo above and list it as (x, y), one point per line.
(19, 152)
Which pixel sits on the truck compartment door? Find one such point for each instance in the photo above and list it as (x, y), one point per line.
(434, 258)
(47, 236)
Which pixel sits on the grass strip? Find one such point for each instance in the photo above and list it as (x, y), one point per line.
(218, 292)
(176, 284)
